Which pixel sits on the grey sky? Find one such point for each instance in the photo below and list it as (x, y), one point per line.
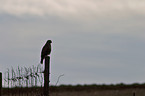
(93, 41)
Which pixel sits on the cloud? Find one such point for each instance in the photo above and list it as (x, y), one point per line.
(72, 9)
(113, 42)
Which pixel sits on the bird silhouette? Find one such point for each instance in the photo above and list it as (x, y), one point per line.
(46, 50)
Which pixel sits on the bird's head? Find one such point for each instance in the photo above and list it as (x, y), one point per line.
(49, 41)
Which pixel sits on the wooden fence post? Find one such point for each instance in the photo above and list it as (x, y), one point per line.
(0, 84)
(133, 93)
(46, 76)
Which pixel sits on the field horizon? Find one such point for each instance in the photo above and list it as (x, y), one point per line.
(85, 90)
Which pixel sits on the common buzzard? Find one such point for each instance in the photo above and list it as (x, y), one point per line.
(46, 50)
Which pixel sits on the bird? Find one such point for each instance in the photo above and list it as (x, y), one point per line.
(46, 50)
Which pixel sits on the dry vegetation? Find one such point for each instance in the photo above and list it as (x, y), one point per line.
(123, 92)
(81, 90)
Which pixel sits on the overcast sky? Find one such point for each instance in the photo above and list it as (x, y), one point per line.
(93, 41)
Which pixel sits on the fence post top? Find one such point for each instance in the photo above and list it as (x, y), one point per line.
(47, 56)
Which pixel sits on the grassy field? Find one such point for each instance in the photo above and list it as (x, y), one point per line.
(81, 90)
(123, 92)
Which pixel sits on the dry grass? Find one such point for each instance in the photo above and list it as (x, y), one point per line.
(122, 92)
(80, 90)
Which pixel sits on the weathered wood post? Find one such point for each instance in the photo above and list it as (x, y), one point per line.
(0, 84)
(46, 76)
(133, 93)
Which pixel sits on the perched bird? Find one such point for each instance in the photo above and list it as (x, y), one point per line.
(46, 50)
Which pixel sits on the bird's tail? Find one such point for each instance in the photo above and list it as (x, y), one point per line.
(41, 61)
